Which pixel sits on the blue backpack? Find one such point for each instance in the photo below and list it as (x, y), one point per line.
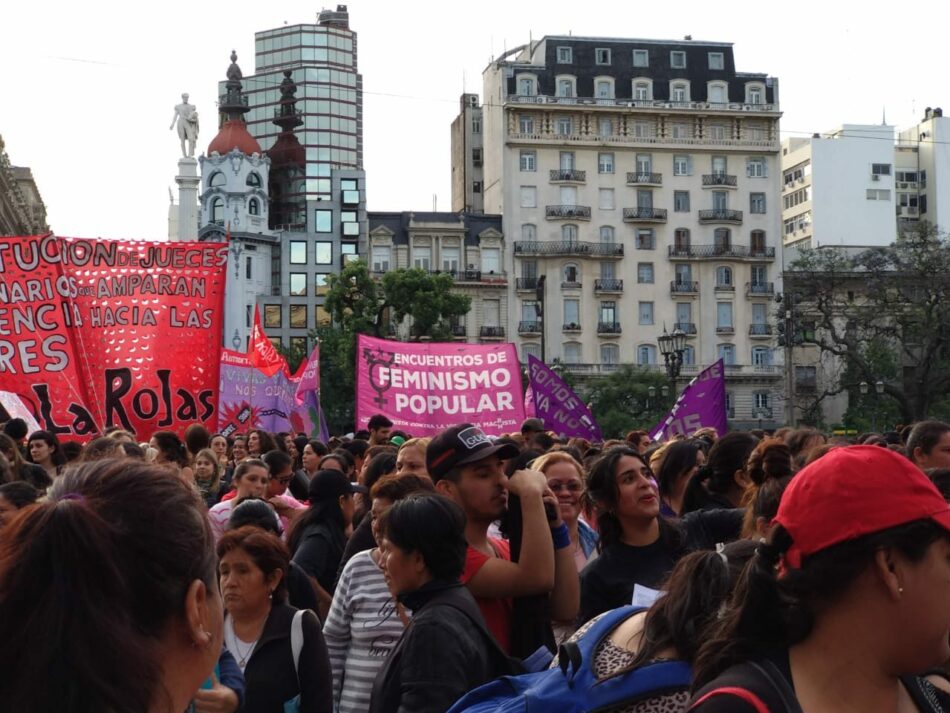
(573, 688)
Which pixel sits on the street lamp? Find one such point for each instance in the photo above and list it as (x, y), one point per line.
(672, 347)
(865, 388)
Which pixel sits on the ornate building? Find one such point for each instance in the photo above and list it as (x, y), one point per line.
(22, 211)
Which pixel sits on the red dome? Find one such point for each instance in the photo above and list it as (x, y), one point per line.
(234, 135)
(286, 151)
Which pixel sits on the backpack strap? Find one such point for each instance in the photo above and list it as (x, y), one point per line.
(296, 640)
(741, 693)
(575, 657)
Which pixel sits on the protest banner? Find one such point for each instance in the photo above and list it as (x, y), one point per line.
(425, 387)
(556, 404)
(98, 333)
(701, 405)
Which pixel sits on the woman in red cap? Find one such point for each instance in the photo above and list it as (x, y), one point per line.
(845, 602)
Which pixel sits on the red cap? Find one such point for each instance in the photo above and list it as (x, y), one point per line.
(851, 492)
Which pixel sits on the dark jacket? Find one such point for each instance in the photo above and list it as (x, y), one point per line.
(445, 652)
(319, 552)
(270, 678)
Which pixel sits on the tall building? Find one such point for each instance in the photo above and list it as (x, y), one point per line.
(22, 211)
(467, 175)
(922, 172)
(641, 179)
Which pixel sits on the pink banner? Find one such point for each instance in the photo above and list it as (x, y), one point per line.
(424, 388)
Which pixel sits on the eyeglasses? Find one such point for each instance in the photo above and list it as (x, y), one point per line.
(571, 487)
(284, 480)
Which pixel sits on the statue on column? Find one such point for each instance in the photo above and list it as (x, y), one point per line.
(186, 116)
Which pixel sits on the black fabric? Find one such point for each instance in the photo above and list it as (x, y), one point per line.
(299, 485)
(704, 529)
(319, 552)
(361, 540)
(300, 592)
(35, 475)
(270, 677)
(445, 652)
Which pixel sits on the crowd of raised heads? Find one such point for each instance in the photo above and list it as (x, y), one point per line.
(381, 571)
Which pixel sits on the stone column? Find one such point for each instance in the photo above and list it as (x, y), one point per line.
(187, 180)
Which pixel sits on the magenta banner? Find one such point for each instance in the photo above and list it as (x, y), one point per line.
(424, 388)
(558, 406)
(701, 405)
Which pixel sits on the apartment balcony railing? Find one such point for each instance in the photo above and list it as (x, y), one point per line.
(571, 285)
(567, 212)
(571, 327)
(526, 283)
(568, 248)
(608, 285)
(529, 327)
(684, 287)
(608, 328)
(719, 180)
(725, 329)
(721, 215)
(644, 179)
(568, 175)
(760, 330)
(492, 332)
(718, 252)
(687, 328)
(662, 105)
(762, 412)
(644, 215)
(458, 330)
(725, 287)
(759, 288)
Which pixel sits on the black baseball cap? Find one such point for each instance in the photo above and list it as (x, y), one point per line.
(331, 484)
(462, 445)
(532, 425)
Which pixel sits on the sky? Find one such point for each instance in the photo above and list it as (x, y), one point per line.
(88, 89)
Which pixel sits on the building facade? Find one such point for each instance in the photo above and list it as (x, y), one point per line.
(640, 178)
(22, 211)
(470, 247)
(467, 147)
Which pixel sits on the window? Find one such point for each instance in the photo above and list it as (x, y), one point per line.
(806, 378)
(646, 354)
(755, 167)
(684, 315)
(530, 350)
(727, 352)
(298, 252)
(324, 253)
(348, 253)
(762, 400)
(757, 243)
(758, 275)
(755, 131)
(722, 239)
(802, 221)
(759, 313)
(608, 312)
(641, 58)
(602, 55)
(679, 92)
(723, 276)
(684, 275)
(476, 186)
(298, 284)
(609, 354)
(755, 94)
(644, 164)
(382, 258)
(562, 127)
(605, 163)
(607, 271)
(529, 311)
(566, 160)
(572, 312)
(720, 200)
(528, 160)
(678, 60)
(254, 207)
(569, 233)
(716, 60)
(491, 313)
(571, 275)
(716, 130)
(646, 313)
(491, 260)
(476, 125)
(568, 195)
(565, 87)
(682, 165)
(348, 184)
(529, 197)
(529, 232)
(756, 202)
(217, 179)
(320, 285)
(878, 195)
(605, 127)
(323, 221)
(249, 268)
(604, 89)
(681, 240)
(643, 129)
(645, 239)
(681, 130)
(526, 86)
(607, 235)
(880, 169)
(572, 353)
(298, 316)
(606, 198)
(321, 316)
(422, 257)
(451, 258)
(217, 211)
(565, 55)
(717, 93)
(645, 199)
(477, 156)
(272, 317)
(526, 124)
(681, 201)
(724, 315)
(643, 90)
(645, 273)
(689, 355)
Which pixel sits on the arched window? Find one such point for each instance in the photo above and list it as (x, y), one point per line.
(717, 93)
(727, 352)
(571, 274)
(642, 89)
(254, 207)
(689, 356)
(607, 234)
(526, 85)
(217, 179)
(724, 276)
(604, 88)
(254, 179)
(681, 239)
(609, 354)
(529, 232)
(217, 211)
(761, 356)
(754, 93)
(722, 239)
(679, 91)
(565, 86)
(572, 353)
(569, 233)
(757, 241)
(646, 354)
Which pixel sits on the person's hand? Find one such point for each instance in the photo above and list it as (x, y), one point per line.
(552, 506)
(281, 506)
(217, 699)
(524, 483)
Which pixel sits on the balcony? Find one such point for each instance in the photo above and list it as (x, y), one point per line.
(760, 330)
(526, 284)
(753, 289)
(644, 179)
(609, 329)
(571, 327)
(568, 175)
(567, 212)
(723, 287)
(687, 328)
(458, 330)
(684, 287)
(719, 252)
(529, 328)
(725, 329)
(644, 215)
(492, 332)
(719, 180)
(762, 412)
(590, 369)
(568, 248)
(605, 285)
(720, 215)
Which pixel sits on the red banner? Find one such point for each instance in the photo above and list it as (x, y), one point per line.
(98, 333)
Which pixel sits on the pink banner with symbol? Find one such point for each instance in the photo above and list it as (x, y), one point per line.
(424, 388)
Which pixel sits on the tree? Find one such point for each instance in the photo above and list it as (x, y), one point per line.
(880, 314)
(622, 402)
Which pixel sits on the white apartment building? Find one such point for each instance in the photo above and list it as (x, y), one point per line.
(641, 178)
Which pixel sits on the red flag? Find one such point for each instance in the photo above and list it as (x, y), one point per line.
(260, 351)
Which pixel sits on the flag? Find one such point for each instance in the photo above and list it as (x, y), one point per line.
(556, 404)
(529, 411)
(260, 351)
(701, 405)
(308, 394)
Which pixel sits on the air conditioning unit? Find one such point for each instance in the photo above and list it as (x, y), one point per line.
(875, 177)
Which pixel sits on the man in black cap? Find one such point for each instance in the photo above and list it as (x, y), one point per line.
(536, 437)
(467, 467)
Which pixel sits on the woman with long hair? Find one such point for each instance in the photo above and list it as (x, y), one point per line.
(681, 462)
(769, 471)
(219, 444)
(845, 602)
(722, 482)
(21, 469)
(44, 450)
(208, 476)
(172, 453)
(14, 497)
(260, 442)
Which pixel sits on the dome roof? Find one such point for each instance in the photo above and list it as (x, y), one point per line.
(234, 135)
(286, 151)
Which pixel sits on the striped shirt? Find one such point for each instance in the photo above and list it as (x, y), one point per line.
(361, 630)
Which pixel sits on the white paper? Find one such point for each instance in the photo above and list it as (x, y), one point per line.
(644, 596)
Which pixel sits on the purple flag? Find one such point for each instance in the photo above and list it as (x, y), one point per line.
(558, 406)
(308, 395)
(701, 405)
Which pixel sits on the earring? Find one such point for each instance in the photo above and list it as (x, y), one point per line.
(900, 590)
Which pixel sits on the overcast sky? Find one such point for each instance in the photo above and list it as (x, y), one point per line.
(88, 88)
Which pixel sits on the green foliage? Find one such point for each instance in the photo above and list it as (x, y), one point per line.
(621, 402)
(293, 355)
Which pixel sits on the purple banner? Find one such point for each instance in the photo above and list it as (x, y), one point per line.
(701, 405)
(558, 406)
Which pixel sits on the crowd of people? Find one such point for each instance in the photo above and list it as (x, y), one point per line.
(273, 573)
